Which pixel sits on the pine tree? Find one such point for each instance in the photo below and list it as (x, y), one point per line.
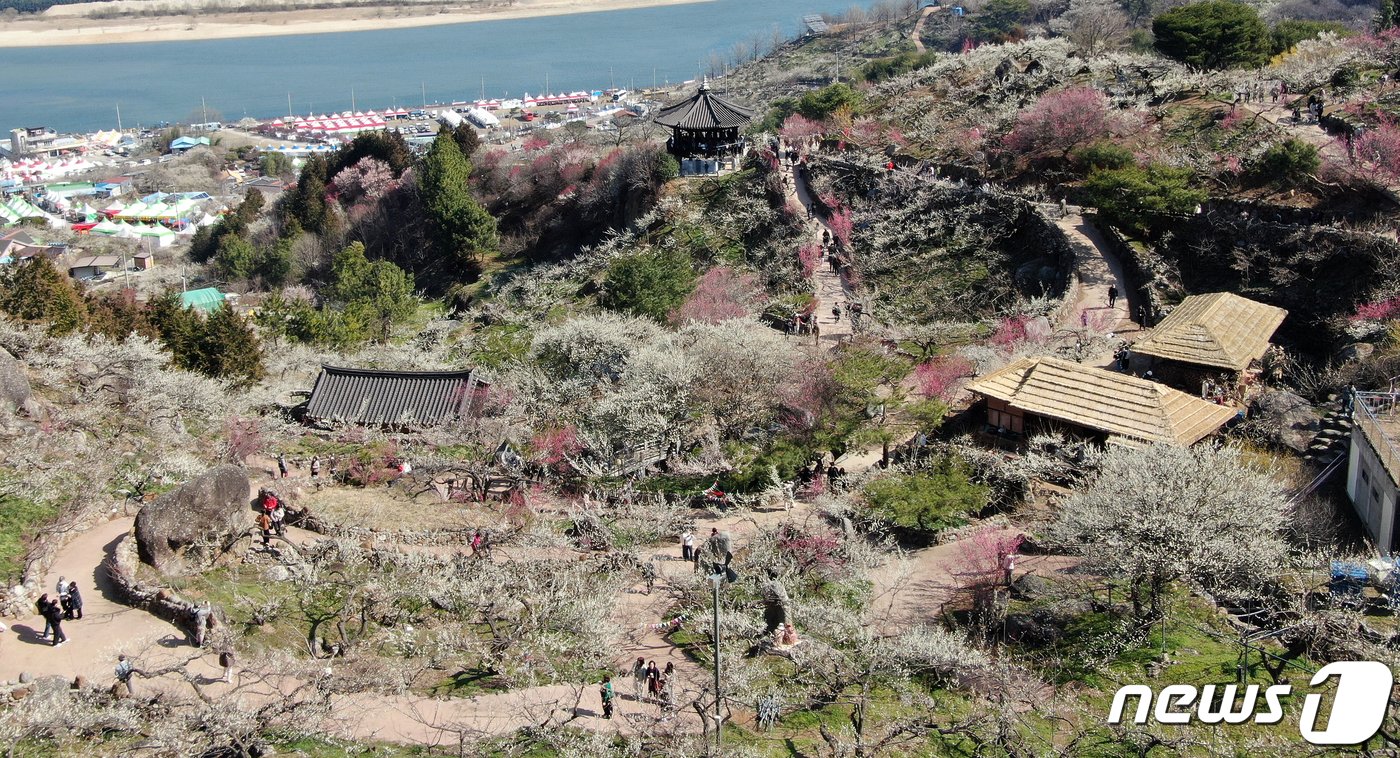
(462, 230)
(1385, 16)
(36, 291)
(229, 348)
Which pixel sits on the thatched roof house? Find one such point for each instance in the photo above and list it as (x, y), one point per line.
(1105, 403)
(1220, 331)
(389, 398)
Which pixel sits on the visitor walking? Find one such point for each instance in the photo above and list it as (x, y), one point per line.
(668, 687)
(75, 602)
(606, 693)
(226, 660)
(1112, 295)
(687, 546)
(53, 614)
(315, 466)
(265, 524)
(653, 681)
(279, 520)
(40, 606)
(124, 671)
(639, 678)
(202, 613)
(282, 464)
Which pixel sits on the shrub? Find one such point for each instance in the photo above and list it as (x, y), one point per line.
(1123, 193)
(819, 105)
(1103, 155)
(648, 284)
(1288, 163)
(927, 501)
(720, 295)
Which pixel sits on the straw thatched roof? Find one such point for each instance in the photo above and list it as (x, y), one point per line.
(1221, 329)
(1116, 404)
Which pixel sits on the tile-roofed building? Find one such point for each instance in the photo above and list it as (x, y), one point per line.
(1106, 402)
(704, 125)
(379, 398)
(1220, 330)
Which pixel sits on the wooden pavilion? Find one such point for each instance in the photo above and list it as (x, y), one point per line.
(705, 126)
(1208, 337)
(1037, 393)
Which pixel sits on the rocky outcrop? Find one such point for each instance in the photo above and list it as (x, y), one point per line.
(14, 384)
(1286, 418)
(187, 529)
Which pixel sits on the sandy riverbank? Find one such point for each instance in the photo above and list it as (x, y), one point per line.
(69, 28)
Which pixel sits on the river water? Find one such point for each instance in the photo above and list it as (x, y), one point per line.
(74, 88)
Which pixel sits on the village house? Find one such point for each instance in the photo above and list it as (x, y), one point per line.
(95, 267)
(1373, 466)
(374, 397)
(1040, 394)
(1214, 339)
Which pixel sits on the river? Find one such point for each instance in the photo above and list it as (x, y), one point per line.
(79, 88)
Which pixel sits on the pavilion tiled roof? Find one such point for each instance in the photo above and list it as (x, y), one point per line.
(376, 397)
(1221, 330)
(704, 111)
(1106, 401)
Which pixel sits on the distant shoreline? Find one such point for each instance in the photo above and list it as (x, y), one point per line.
(46, 31)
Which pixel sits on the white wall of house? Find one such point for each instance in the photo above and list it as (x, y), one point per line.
(1373, 493)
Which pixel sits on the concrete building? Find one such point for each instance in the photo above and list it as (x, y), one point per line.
(1373, 468)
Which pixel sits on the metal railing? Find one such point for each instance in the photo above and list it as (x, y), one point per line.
(1369, 410)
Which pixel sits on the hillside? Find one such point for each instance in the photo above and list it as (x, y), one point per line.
(1013, 360)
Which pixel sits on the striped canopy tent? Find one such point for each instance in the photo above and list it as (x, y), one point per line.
(20, 209)
(184, 209)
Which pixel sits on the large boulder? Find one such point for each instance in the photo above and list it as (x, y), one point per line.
(1286, 418)
(185, 529)
(14, 384)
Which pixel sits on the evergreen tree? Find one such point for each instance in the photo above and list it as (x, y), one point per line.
(251, 206)
(1385, 16)
(236, 256)
(307, 202)
(461, 229)
(466, 138)
(179, 328)
(1213, 34)
(229, 348)
(36, 291)
(349, 271)
(274, 262)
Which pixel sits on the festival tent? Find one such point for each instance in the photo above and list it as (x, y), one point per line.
(185, 231)
(135, 210)
(207, 220)
(113, 209)
(106, 228)
(163, 237)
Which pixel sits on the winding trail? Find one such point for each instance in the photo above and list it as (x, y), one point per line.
(1096, 269)
(917, 35)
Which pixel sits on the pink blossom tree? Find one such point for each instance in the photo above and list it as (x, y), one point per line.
(369, 178)
(1379, 148)
(984, 559)
(1010, 332)
(1061, 121)
(720, 295)
(809, 256)
(798, 126)
(841, 226)
(937, 379)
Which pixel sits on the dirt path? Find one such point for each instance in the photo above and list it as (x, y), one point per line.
(829, 289)
(917, 36)
(1097, 269)
(106, 630)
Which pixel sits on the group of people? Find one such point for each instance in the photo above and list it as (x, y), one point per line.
(272, 515)
(66, 606)
(659, 686)
(813, 471)
(284, 470)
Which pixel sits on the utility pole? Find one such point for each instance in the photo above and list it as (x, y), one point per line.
(119, 116)
(289, 104)
(203, 109)
(716, 580)
(424, 87)
(352, 99)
